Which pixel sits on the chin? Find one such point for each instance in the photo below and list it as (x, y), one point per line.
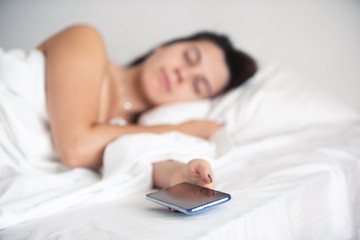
(150, 93)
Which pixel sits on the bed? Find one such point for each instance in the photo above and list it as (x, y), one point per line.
(288, 154)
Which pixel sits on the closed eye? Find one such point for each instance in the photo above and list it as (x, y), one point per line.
(197, 88)
(192, 55)
(202, 87)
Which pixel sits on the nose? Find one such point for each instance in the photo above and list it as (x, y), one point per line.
(182, 75)
(179, 76)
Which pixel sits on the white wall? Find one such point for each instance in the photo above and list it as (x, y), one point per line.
(320, 38)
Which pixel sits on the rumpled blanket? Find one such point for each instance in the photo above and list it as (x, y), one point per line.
(34, 182)
(279, 129)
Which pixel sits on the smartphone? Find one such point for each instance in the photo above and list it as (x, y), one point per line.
(188, 198)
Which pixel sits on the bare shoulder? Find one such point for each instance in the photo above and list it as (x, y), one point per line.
(82, 32)
(76, 38)
(78, 50)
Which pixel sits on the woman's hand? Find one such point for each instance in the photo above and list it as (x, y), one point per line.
(170, 172)
(197, 171)
(200, 128)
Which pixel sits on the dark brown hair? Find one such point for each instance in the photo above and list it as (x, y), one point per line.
(241, 66)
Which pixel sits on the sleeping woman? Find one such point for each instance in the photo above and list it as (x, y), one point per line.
(86, 93)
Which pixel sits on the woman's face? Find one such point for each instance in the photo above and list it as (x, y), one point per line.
(183, 71)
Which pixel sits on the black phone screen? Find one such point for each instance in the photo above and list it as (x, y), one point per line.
(188, 197)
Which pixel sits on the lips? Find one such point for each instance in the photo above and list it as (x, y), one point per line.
(165, 79)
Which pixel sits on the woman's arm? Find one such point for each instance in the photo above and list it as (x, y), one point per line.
(168, 173)
(76, 63)
(92, 143)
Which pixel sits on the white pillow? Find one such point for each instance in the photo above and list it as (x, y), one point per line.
(278, 100)
(275, 100)
(176, 113)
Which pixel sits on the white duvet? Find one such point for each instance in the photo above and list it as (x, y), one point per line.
(288, 154)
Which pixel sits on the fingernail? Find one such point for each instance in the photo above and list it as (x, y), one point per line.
(210, 178)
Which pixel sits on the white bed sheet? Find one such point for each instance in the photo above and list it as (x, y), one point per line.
(299, 185)
(288, 154)
(294, 171)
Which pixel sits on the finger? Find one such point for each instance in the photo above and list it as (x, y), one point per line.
(172, 210)
(209, 185)
(220, 122)
(215, 127)
(203, 167)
